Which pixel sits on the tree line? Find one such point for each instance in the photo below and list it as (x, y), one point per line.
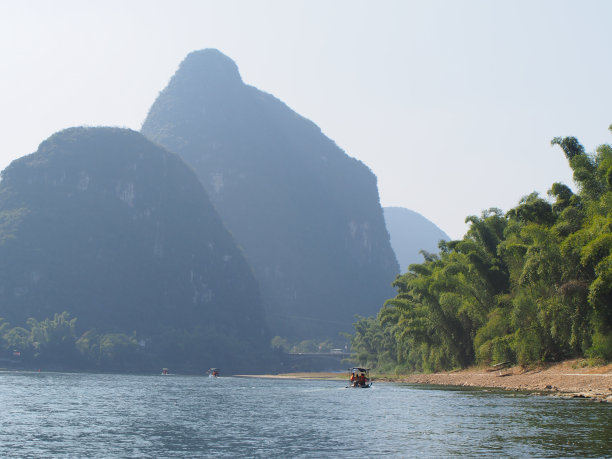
(54, 343)
(59, 344)
(531, 285)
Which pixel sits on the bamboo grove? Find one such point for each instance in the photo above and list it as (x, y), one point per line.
(531, 285)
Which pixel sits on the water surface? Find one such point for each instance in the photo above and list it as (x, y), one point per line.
(101, 416)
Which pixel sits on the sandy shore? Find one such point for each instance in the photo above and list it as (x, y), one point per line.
(567, 379)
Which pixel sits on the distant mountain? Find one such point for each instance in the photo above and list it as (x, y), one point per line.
(411, 232)
(106, 225)
(307, 215)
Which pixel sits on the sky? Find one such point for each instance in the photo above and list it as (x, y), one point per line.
(452, 104)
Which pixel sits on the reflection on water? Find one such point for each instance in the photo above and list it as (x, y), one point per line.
(87, 415)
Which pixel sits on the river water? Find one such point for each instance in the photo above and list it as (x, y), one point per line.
(91, 415)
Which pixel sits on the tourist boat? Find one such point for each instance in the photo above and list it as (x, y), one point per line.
(213, 372)
(165, 372)
(360, 377)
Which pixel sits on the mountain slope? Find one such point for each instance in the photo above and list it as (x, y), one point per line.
(119, 232)
(307, 215)
(410, 233)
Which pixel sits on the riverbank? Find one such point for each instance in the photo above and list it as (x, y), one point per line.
(570, 379)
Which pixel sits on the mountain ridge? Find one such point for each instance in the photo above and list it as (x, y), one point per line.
(307, 215)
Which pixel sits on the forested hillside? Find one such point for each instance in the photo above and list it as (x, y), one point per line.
(119, 233)
(531, 285)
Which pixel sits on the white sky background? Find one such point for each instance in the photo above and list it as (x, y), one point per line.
(452, 104)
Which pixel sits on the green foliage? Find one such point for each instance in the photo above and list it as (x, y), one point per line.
(602, 346)
(563, 194)
(56, 344)
(53, 339)
(570, 146)
(372, 343)
(533, 209)
(311, 345)
(493, 341)
(16, 339)
(279, 343)
(109, 351)
(53, 343)
(530, 286)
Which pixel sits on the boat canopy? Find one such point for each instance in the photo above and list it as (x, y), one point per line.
(362, 370)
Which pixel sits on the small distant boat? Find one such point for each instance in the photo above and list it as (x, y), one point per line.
(165, 372)
(360, 377)
(213, 372)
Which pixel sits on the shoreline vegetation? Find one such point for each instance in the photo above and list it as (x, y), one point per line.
(569, 379)
(522, 287)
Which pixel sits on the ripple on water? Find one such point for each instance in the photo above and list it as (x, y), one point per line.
(88, 415)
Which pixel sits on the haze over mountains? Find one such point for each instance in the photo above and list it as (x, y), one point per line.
(106, 225)
(410, 233)
(306, 214)
(234, 221)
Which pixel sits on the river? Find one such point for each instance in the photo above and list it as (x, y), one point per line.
(101, 416)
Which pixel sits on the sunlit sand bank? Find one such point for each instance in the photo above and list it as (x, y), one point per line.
(567, 379)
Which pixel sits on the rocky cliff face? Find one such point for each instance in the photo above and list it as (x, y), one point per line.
(106, 225)
(410, 233)
(306, 214)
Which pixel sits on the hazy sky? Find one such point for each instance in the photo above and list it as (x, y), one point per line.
(452, 104)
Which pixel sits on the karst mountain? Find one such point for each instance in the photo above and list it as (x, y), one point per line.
(410, 234)
(306, 214)
(120, 233)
